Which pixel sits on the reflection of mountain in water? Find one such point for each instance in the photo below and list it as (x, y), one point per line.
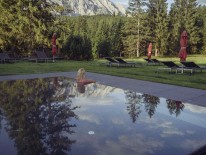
(136, 102)
(93, 89)
(65, 87)
(40, 112)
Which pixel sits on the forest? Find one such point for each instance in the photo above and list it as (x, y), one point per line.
(27, 25)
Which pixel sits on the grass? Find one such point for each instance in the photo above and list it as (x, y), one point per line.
(143, 72)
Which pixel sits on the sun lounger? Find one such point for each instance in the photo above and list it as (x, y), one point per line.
(4, 57)
(125, 63)
(111, 61)
(156, 61)
(149, 61)
(193, 66)
(40, 57)
(170, 65)
(152, 61)
(1, 58)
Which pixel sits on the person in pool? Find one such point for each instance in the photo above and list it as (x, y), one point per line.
(82, 81)
(80, 78)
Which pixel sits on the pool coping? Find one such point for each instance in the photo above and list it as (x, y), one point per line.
(184, 94)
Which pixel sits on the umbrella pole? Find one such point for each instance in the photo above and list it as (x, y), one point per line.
(53, 58)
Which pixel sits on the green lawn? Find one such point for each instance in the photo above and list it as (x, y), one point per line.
(142, 72)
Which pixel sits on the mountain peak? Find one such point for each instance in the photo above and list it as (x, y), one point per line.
(91, 7)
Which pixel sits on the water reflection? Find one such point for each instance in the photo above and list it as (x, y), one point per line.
(175, 107)
(151, 103)
(51, 116)
(38, 114)
(136, 101)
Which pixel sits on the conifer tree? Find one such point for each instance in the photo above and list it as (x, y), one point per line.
(201, 22)
(115, 35)
(93, 23)
(25, 24)
(136, 10)
(158, 25)
(183, 16)
(191, 18)
(130, 37)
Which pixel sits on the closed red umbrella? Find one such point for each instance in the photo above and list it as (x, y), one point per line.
(149, 51)
(54, 47)
(183, 44)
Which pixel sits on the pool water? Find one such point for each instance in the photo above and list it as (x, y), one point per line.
(56, 116)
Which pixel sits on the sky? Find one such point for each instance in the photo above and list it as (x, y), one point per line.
(125, 2)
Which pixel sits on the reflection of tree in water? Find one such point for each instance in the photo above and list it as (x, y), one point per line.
(36, 121)
(150, 103)
(175, 106)
(133, 104)
(135, 101)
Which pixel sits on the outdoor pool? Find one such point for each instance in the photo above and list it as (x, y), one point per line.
(54, 116)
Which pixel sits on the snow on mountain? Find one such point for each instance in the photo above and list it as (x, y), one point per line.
(121, 7)
(91, 7)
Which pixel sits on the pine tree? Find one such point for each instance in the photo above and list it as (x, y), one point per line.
(183, 16)
(158, 25)
(191, 17)
(130, 37)
(135, 9)
(201, 22)
(115, 35)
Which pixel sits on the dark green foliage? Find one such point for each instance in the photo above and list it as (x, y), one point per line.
(26, 25)
(133, 29)
(78, 48)
(201, 23)
(103, 31)
(104, 49)
(184, 16)
(62, 28)
(158, 26)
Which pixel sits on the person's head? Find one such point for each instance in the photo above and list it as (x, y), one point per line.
(80, 74)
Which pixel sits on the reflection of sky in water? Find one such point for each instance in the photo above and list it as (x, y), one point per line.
(115, 133)
(125, 123)
(192, 114)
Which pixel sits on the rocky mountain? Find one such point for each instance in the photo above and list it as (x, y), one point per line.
(90, 7)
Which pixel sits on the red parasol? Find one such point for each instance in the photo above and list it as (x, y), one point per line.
(54, 47)
(149, 50)
(183, 44)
